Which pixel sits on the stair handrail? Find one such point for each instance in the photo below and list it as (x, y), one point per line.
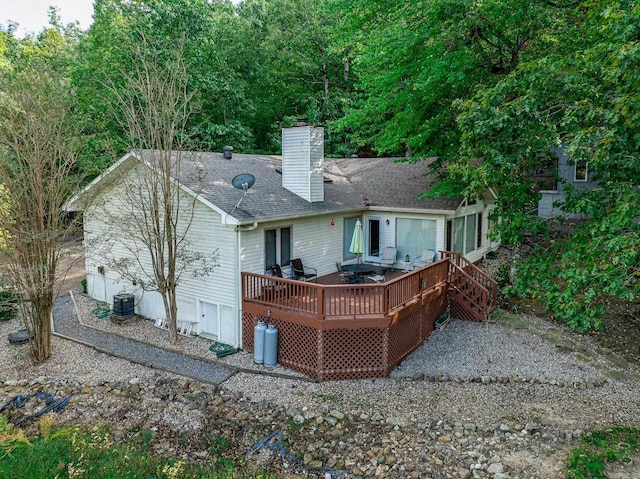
(482, 304)
(490, 284)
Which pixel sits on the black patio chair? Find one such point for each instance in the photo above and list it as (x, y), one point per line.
(344, 275)
(300, 271)
(276, 271)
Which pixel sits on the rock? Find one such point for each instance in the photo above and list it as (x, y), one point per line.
(337, 414)
(495, 468)
(394, 421)
(330, 420)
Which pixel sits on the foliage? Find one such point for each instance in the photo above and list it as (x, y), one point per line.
(602, 447)
(296, 68)
(11, 437)
(38, 146)
(8, 301)
(199, 29)
(577, 96)
(415, 59)
(76, 453)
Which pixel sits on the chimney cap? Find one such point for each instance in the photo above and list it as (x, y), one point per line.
(227, 152)
(302, 122)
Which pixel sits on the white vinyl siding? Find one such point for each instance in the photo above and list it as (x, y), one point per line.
(303, 162)
(206, 234)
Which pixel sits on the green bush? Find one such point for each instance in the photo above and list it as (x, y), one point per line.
(8, 304)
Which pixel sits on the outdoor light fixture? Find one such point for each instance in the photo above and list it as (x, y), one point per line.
(333, 223)
(387, 222)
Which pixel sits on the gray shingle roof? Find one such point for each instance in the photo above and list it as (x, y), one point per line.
(355, 183)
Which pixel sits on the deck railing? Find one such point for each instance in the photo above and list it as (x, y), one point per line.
(342, 301)
(353, 331)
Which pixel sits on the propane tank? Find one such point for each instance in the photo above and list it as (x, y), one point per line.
(271, 346)
(258, 342)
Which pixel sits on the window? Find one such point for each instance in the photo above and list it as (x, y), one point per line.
(413, 236)
(470, 233)
(545, 174)
(582, 171)
(277, 247)
(467, 233)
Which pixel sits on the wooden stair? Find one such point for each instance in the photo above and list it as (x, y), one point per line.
(473, 295)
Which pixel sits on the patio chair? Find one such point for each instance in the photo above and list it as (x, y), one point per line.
(427, 257)
(300, 271)
(388, 256)
(276, 271)
(345, 276)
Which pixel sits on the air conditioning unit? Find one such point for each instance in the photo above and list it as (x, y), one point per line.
(123, 305)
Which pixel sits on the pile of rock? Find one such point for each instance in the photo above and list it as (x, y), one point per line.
(322, 441)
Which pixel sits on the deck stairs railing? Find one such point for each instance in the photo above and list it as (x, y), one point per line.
(473, 293)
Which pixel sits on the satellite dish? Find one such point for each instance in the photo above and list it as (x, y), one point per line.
(243, 181)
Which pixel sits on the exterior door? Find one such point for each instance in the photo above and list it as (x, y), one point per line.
(209, 323)
(373, 237)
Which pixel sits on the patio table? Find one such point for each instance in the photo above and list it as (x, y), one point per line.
(360, 270)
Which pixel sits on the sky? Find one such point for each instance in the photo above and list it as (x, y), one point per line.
(32, 14)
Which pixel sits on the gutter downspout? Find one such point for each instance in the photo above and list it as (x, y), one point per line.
(238, 230)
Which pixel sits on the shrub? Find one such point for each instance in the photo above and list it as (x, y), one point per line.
(8, 303)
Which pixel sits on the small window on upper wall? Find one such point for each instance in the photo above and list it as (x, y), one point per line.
(582, 171)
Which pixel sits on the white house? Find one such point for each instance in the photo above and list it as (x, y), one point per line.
(302, 205)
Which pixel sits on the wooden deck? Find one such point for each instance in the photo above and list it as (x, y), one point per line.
(333, 330)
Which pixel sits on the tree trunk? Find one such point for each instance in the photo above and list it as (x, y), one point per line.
(171, 311)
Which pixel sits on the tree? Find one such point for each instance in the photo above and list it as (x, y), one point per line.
(294, 66)
(38, 147)
(414, 60)
(153, 215)
(580, 94)
(204, 30)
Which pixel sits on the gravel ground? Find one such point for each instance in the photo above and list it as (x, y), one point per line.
(494, 377)
(472, 349)
(519, 348)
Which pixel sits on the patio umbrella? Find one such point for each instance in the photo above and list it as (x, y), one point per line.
(357, 241)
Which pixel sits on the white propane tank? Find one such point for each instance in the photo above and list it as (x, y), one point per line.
(258, 342)
(271, 346)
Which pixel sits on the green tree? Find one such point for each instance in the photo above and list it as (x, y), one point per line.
(108, 50)
(38, 148)
(414, 60)
(581, 95)
(295, 67)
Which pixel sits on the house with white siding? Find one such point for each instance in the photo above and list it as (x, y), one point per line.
(302, 205)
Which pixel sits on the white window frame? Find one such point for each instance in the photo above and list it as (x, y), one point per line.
(464, 240)
(278, 245)
(586, 172)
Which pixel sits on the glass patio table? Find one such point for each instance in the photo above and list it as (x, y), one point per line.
(360, 270)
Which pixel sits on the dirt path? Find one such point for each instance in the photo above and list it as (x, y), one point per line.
(71, 270)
